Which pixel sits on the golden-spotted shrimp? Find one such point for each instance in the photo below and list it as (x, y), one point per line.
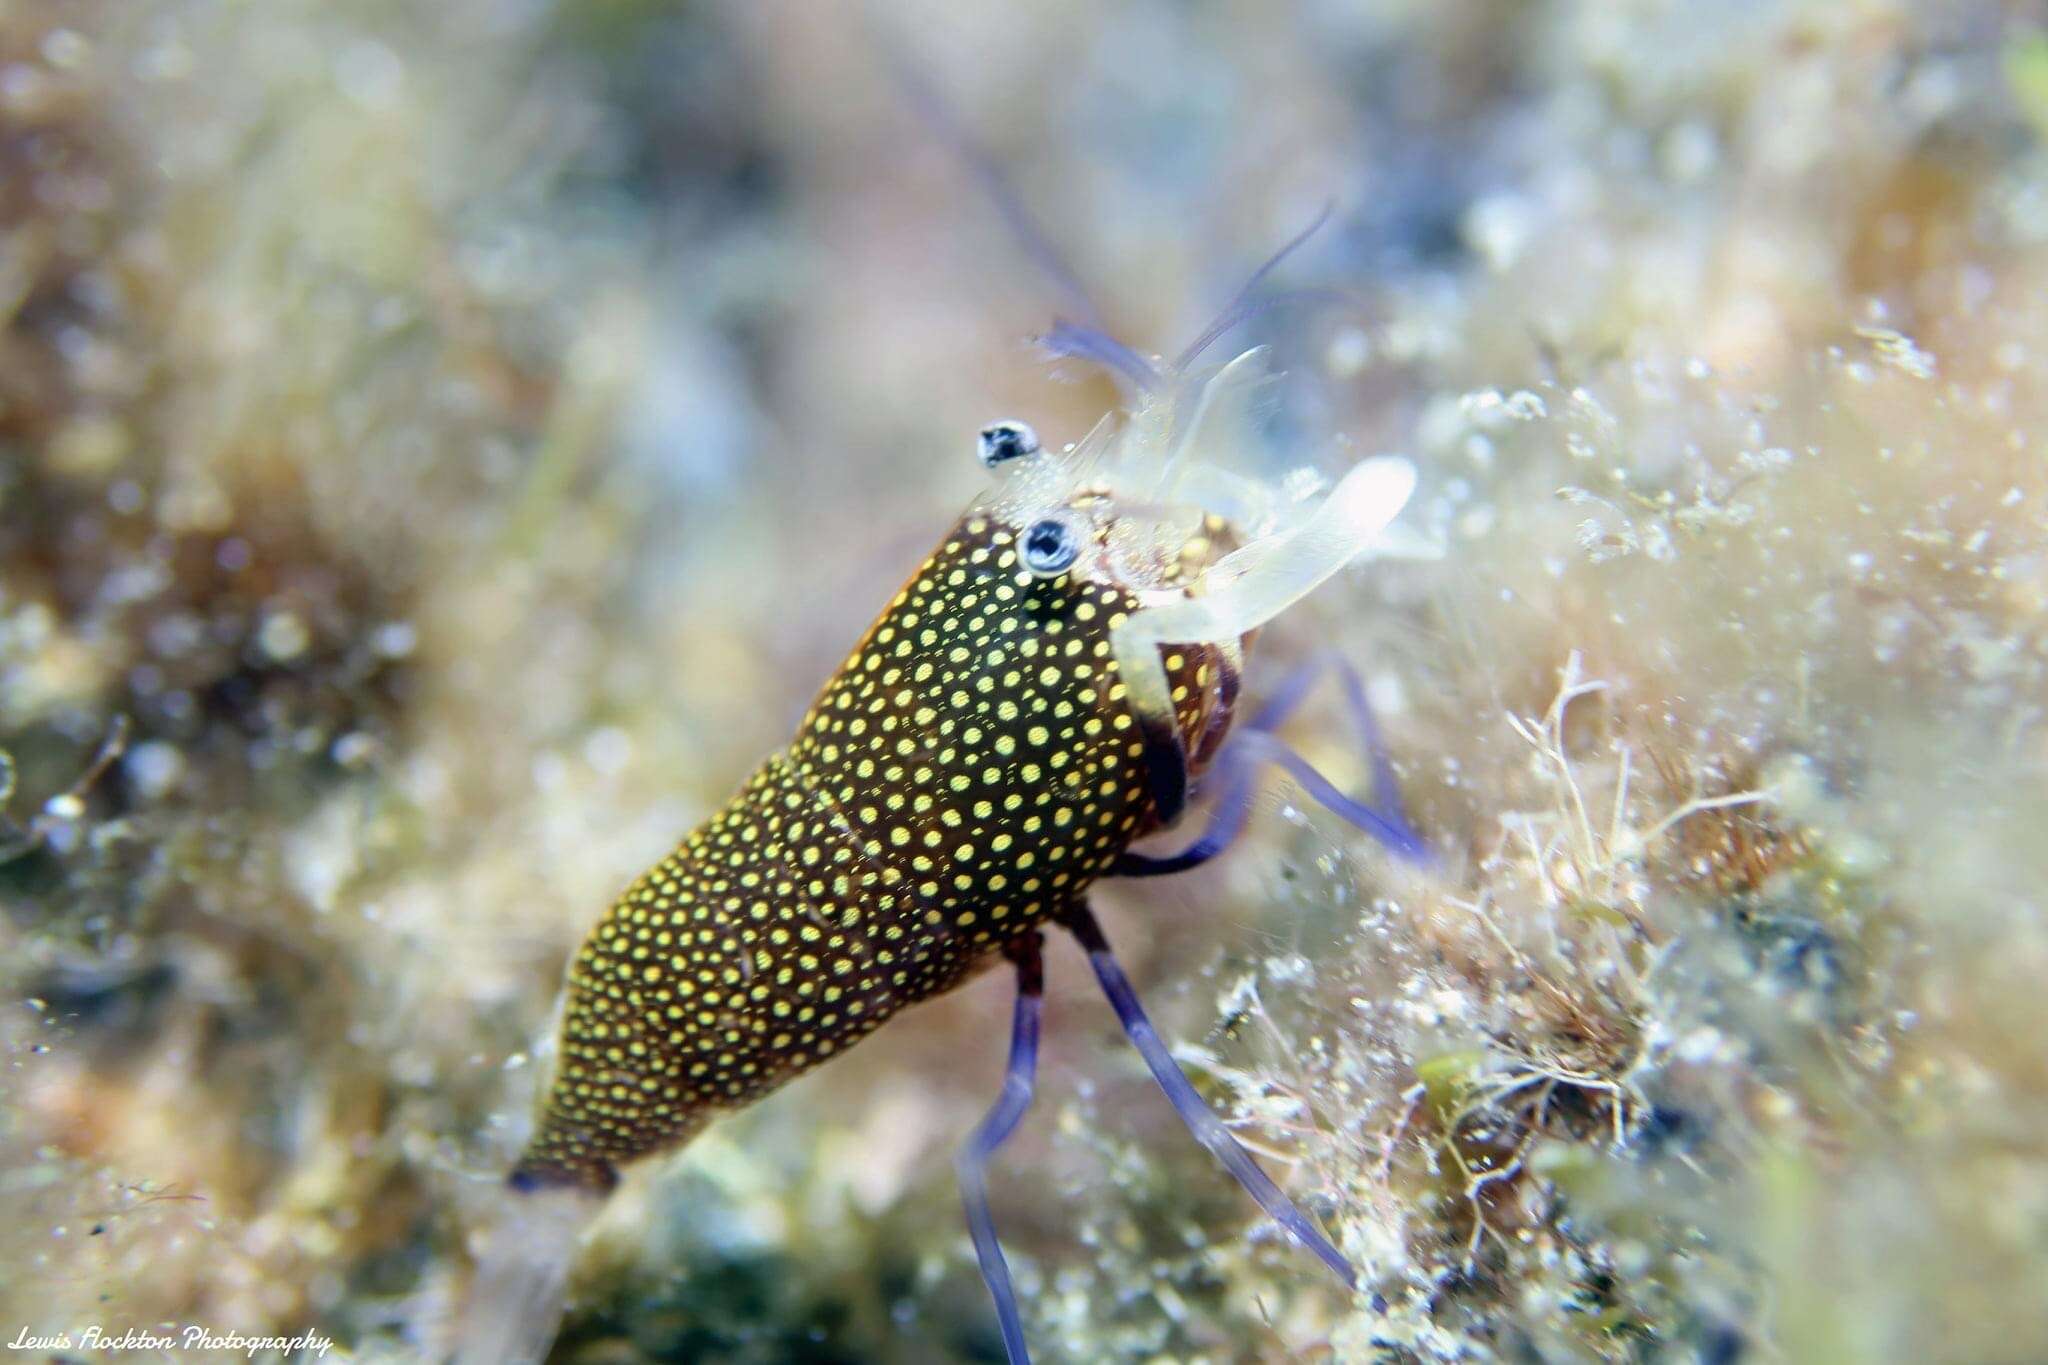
(1057, 680)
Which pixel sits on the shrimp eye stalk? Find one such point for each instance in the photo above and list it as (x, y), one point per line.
(1050, 547)
(1001, 442)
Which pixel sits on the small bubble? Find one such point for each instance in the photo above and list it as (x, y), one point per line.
(284, 636)
(1350, 352)
(155, 768)
(369, 73)
(1386, 694)
(22, 87)
(165, 62)
(1689, 152)
(394, 639)
(64, 48)
(608, 750)
(1499, 227)
(355, 749)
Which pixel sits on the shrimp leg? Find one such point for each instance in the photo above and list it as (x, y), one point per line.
(1257, 743)
(995, 1129)
(1194, 1112)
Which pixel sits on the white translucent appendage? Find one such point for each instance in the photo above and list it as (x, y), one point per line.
(515, 1301)
(1252, 585)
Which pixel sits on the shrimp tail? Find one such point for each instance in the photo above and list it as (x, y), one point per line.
(522, 1276)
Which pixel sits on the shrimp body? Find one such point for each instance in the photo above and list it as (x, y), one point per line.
(1053, 683)
(967, 773)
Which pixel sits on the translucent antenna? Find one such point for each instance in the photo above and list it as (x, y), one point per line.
(1242, 305)
(1221, 417)
(939, 115)
(1092, 344)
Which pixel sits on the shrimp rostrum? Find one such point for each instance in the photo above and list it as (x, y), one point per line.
(1056, 681)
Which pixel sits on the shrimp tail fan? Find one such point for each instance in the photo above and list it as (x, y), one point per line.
(516, 1299)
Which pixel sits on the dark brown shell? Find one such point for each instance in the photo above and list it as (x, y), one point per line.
(969, 771)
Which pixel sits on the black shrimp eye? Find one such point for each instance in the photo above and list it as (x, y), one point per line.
(1008, 440)
(1049, 547)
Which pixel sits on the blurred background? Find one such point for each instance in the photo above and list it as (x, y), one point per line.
(443, 448)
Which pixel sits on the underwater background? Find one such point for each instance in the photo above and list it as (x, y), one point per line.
(444, 447)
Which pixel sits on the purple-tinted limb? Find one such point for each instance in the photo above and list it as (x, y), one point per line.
(1200, 1119)
(972, 1162)
(1255, 744)
(1242, 304)
(1090, 343)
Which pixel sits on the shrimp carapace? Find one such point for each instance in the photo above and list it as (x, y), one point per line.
(968, 772)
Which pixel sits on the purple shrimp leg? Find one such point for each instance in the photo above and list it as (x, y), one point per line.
(972, 1162)
(1200, 1119)
(1256, 743)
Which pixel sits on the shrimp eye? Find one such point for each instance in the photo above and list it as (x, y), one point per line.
(1007, 440)
(1049, 547)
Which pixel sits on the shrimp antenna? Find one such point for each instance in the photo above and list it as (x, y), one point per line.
(938, 114)
(1085, 340)
(1243, 306)
(1090, 343)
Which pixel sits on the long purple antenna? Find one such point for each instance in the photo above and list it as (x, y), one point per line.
(1187, 1102)
(1001, 1121)
(1087, 339)
(1098, 347)
(939, 115)
(1241, 305)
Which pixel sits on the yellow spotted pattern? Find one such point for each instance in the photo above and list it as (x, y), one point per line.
(967, 773)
